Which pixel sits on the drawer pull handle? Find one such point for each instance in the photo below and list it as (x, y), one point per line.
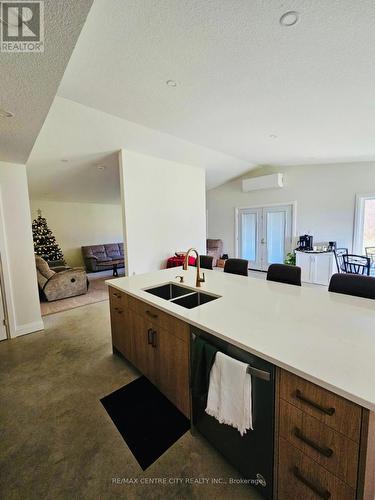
(149, 336)
(327, 452)
(327, 411)
(152, 315)
(120, 311)
(154, 338)
(117, 295)
(322, 493)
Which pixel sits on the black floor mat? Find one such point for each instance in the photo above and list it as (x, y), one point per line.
(146, 419)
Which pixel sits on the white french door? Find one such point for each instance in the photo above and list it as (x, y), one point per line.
(264, 235)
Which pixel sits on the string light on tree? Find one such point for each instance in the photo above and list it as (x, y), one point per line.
(45, 243)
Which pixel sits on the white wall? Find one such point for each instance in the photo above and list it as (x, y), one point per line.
(325, 196)
(17, 252)
(165, 211)
(79, 224)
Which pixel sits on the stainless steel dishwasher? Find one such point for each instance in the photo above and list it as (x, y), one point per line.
(251, 454)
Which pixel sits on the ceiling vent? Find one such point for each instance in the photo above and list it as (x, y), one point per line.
(264, 182)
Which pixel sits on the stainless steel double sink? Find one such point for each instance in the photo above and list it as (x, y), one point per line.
(181, 295)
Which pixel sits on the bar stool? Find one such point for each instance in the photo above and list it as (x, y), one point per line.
(206, 261)
(282, 273)
(352, 284)
(236, 266)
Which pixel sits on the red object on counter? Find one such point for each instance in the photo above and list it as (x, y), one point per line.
(179, 261)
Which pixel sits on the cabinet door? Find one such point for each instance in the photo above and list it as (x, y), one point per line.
(143, 352)
(121, 335)
(172, 366)
(322, 268)
(303, 260)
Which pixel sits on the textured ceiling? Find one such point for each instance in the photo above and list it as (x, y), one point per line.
(28, 82)
(246, 86)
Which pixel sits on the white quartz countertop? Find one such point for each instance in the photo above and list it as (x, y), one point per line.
(324, 337)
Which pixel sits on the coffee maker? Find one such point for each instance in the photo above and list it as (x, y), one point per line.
(305, 242)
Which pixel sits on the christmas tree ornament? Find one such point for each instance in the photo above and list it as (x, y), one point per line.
(45, 243)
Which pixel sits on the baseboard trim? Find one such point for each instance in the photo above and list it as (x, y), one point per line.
(29, 328)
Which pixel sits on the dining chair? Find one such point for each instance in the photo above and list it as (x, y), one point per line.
(356, 264)
(370, 253)
(339, 252)
(236, 266)
(350, 284)
(206, 261)
(283, 273)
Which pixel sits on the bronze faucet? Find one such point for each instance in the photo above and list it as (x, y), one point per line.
(199, 280)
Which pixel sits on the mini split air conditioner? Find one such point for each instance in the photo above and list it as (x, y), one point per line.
(264, 182)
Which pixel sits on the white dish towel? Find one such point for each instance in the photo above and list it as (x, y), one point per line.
(229, 393)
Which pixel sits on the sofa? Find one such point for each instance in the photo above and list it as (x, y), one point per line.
(102, 254)
(60, 285)
(215, 249)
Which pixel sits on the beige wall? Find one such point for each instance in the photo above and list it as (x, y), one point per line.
(79, 224)
(165, 211)
(325, 196)
(17, 251)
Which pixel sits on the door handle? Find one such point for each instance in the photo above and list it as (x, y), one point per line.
(327, 452)
(152, 315)
(149, 336)
(154, 334)
(322, 493)
(313, 404)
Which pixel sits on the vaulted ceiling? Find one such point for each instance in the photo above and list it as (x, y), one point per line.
(220, 84)
(245, 84)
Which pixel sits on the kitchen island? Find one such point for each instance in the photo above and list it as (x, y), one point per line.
(322, 343)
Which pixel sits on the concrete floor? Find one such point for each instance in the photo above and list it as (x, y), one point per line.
(56, 439)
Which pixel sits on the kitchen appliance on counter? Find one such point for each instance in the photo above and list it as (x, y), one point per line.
(251, 454)
(305, 242)
(332, 245)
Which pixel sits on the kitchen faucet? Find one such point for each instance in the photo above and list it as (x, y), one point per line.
(198, 280)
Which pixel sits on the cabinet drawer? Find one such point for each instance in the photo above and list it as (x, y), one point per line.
(160, 319)
(300, 477)
(329, 448)
(335, 411)
(116, 297)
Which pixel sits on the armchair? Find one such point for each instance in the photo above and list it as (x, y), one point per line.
(60, 285)
(215, 249)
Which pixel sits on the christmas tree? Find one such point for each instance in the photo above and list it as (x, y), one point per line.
(44, 242)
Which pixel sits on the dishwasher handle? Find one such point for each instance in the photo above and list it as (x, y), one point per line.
(262, 374)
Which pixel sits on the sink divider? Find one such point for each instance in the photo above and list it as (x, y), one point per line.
(182, 296)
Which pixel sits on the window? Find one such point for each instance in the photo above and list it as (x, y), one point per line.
(369, 223)
(364, 228)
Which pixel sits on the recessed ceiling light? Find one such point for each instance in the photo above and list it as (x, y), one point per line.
(272, 136)
(64, 160)
(290, 18)
(5, 114)
(101, 167)
(171, 83)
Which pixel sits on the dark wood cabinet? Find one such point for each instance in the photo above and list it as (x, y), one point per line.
(325, 444)
(302, 478)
